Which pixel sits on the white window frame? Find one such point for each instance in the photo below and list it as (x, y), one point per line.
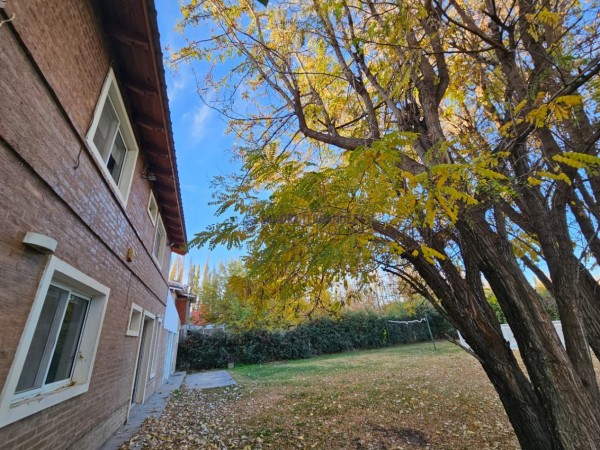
(110, 92)
(155, 347)
(136, 319)
(14, 407)
(161, 251)
(151, 202)
(142, 373)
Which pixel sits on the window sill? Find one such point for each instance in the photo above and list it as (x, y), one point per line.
(36, 394)
(24, 407)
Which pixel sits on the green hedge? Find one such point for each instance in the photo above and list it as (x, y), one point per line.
(353, 331)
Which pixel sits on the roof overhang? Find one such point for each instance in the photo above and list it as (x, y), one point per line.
(187, 297)
(131, 28)
(180, 292)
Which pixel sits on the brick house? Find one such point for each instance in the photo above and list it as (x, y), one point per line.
(91, 211)
(183, 301)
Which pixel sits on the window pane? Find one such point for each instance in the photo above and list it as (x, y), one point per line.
(116, 158)
(43, 340)
(152, 208)
(107, 127)
(159, 242)
(67, 343)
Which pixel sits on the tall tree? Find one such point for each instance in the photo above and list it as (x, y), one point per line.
(227, 296)
(444, 141)
(177, 269)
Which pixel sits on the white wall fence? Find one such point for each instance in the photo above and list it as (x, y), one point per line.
(208, 329)
(508, 335)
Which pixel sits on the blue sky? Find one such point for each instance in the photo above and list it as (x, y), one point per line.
(199, 133)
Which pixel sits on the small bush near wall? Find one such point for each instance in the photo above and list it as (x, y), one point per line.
(353, 331)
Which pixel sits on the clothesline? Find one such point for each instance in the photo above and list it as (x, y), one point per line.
(423, 319)
(407, 321)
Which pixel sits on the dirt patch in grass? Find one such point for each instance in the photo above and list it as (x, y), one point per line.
(409, 397)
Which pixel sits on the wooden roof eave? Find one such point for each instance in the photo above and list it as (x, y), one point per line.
(133, 32)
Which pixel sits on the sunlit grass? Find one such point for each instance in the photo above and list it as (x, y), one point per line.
(407, 397)
(357, 361)
(410, 396)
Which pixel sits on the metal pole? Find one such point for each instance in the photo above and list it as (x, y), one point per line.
(430, 333)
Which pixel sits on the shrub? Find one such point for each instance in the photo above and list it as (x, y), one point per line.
(353, 331)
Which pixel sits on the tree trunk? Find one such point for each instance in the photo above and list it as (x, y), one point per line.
(571, 413)
(591, 309)
(477, 323)
(551, 410)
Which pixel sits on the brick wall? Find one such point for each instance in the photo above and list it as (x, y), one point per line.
(66, 40)
(51, 184)
(183, 310)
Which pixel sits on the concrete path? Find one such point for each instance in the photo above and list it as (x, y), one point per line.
(209, 380)
(154, 406)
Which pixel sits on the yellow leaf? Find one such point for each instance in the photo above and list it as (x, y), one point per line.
(429, 212)
(487, 173)
(520, 106)
(557, 177)
(577, 160)
(569, 100)
(430, 253)
(538, 116)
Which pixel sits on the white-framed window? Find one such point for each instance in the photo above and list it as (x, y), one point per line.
(160, 240)
(111, 138)
(152, 208)
(135, 320)
(56, 353)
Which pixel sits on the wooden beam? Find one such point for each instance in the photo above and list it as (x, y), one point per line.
(150, 148)
(169, 196)
(168, 216)
(164, 176)
(172, 214)
(138, 88)
(173, 227)
(160, 170)
(129, 38)
(149, 125)
(169, 205)
(155, 152)
(168, 211)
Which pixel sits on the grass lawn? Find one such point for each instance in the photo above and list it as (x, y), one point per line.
(404, 397)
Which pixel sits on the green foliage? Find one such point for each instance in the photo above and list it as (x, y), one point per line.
(491, 298)
(548, 302)
(353, 331)
(224, 297)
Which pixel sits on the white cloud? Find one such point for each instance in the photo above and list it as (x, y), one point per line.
(193, 188)
(181, 81)
(200, 121)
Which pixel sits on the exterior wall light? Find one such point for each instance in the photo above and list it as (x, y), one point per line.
(40, 242)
